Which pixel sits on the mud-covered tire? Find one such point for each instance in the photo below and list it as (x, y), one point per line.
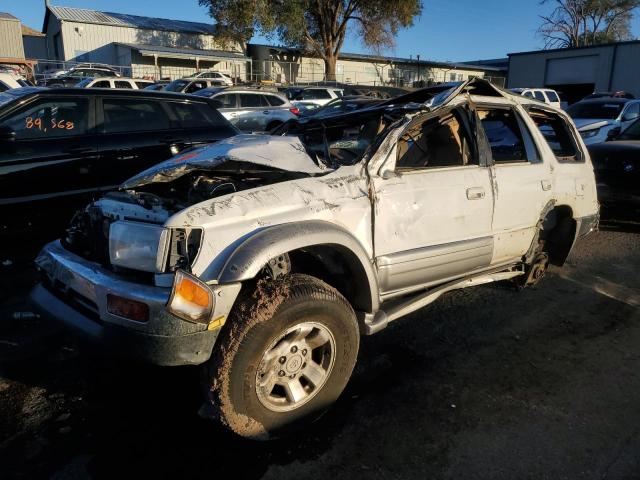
(256, 327)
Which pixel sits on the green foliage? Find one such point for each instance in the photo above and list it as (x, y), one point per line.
(317, 26)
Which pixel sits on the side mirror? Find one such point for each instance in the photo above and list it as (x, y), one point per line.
(7, 135)
(630, 116)
(613, 133)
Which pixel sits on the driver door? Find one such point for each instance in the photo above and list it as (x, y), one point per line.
(433, 214)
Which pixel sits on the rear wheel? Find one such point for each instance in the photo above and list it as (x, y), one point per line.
(286, 356)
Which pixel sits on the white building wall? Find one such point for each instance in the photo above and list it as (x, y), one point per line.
(95, 41)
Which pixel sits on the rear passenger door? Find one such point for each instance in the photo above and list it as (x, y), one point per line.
(253, 112)
(522, 179)
(135, 133)
(433, 215)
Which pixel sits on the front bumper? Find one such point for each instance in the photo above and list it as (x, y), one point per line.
(74, 292)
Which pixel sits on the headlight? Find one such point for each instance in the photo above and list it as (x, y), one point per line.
(589, 133)
(138, 246)
(191, 299)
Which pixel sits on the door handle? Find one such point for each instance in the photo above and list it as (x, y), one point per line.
(475, 193)
(266, 112)
(546, 185)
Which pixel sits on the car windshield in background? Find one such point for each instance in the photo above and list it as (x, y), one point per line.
(176, 86)
(11, 95)
(207, 92)
(605, 110)
(631, 133)
(84, 83)
(292, 93)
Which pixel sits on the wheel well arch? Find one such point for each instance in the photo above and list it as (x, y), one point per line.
(319, 246)
(339, 267)
(558, 232)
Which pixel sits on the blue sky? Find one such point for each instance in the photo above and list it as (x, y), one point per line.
(453, 30)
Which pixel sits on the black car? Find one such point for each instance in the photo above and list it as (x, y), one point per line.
(73, 77)
(617, 163)
(60, 148)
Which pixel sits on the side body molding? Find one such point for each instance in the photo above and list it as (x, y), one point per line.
(248, 258)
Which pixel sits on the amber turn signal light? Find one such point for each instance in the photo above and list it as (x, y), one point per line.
(124, 307)
(191, 299)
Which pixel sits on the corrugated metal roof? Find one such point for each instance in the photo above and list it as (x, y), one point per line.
(7, 16)
(173, 52)
(83, 15)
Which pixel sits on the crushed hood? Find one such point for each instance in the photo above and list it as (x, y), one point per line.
(283, 153)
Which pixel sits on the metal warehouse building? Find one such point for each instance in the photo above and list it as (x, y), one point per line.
(579, 71)
(145, 46)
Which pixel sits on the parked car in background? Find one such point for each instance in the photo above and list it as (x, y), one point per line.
(190, 85)
(265, 258)
(342, 105)
(9, 81)
(61, 147)
(596, 117)
(312, 97)
(618, 94)
(75, 75)
(213, 75)
(115, 82)
(251, 110)
(617, 164)
(545, 95)
(158, 85)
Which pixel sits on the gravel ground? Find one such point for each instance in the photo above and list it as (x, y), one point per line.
(485, 383)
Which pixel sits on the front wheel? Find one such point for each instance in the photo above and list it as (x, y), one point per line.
(285, 356)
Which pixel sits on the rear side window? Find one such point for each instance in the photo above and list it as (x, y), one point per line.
(436, 142)
(226, 101)
(133, 115)
(540, 96)
(248, 100)
(197, 115)
(3, 87)
(274, 101)
(101, 84)
(552, 96)
(509, 139)
(557, 134)
(50, 119)
(122, 84)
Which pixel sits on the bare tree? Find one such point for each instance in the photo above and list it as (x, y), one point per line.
(575, 23)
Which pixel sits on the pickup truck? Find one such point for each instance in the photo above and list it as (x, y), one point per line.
(265, 257)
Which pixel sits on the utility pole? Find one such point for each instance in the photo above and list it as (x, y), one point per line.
(418, 57)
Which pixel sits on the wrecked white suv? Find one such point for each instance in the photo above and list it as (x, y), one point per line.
(266, 257)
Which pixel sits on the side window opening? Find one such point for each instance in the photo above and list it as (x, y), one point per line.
(50, 119)
(540, 96)
(344, 144)
(508, 137)
(557, 134)
(436, 142)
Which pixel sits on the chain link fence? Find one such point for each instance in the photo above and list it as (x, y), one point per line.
(284, 73)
